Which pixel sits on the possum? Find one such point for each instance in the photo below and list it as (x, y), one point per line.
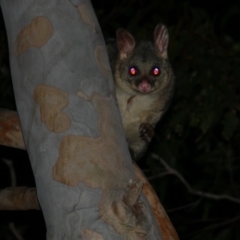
(144, 84)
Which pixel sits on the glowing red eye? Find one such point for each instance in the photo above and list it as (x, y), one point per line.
(132, 71)
(156, 71)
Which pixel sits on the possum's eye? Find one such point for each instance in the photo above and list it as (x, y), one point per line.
(133, 71)
(155, 71)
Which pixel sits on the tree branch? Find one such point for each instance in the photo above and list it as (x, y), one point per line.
(10, 130)
(18, 198)
(164, 222)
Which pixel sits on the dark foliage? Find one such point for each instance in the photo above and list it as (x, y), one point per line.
(199, 136)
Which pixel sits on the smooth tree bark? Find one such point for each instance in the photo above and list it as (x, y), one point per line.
(71, 125)
(22, 198)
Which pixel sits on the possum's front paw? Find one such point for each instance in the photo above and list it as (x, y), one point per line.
(146, 131)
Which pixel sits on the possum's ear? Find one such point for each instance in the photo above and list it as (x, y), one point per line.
(125, 42)
(161, 40)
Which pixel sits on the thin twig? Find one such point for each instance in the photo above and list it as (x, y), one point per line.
(185, 206)
(221, 224)
(159, 175)
(190, 189)
(11, 225)
(12, 171)
(15, 231)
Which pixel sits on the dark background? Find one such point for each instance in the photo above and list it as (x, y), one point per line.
(198, 137)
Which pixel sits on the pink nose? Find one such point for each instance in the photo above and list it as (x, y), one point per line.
(144, 86)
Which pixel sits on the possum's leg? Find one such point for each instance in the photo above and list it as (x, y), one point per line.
(136, 144)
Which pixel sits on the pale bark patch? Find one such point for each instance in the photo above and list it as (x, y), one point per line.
(35, 34)
(83, 95)
(100, 55)
(87, 16)
(91, 235)
(82, 159)
(52, 101)
(93, 161)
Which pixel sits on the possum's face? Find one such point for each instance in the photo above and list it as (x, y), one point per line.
(143, 71)
(142, 68)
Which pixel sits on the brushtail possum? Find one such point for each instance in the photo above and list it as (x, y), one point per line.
(144, 83)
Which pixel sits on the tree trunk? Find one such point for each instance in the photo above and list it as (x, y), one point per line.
(22, 198)
(71, 125)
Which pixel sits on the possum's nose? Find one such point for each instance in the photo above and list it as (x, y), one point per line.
(144, 86)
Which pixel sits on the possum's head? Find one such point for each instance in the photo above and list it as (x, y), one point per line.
(142, 68)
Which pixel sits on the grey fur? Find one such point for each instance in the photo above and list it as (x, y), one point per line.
(138, 107)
